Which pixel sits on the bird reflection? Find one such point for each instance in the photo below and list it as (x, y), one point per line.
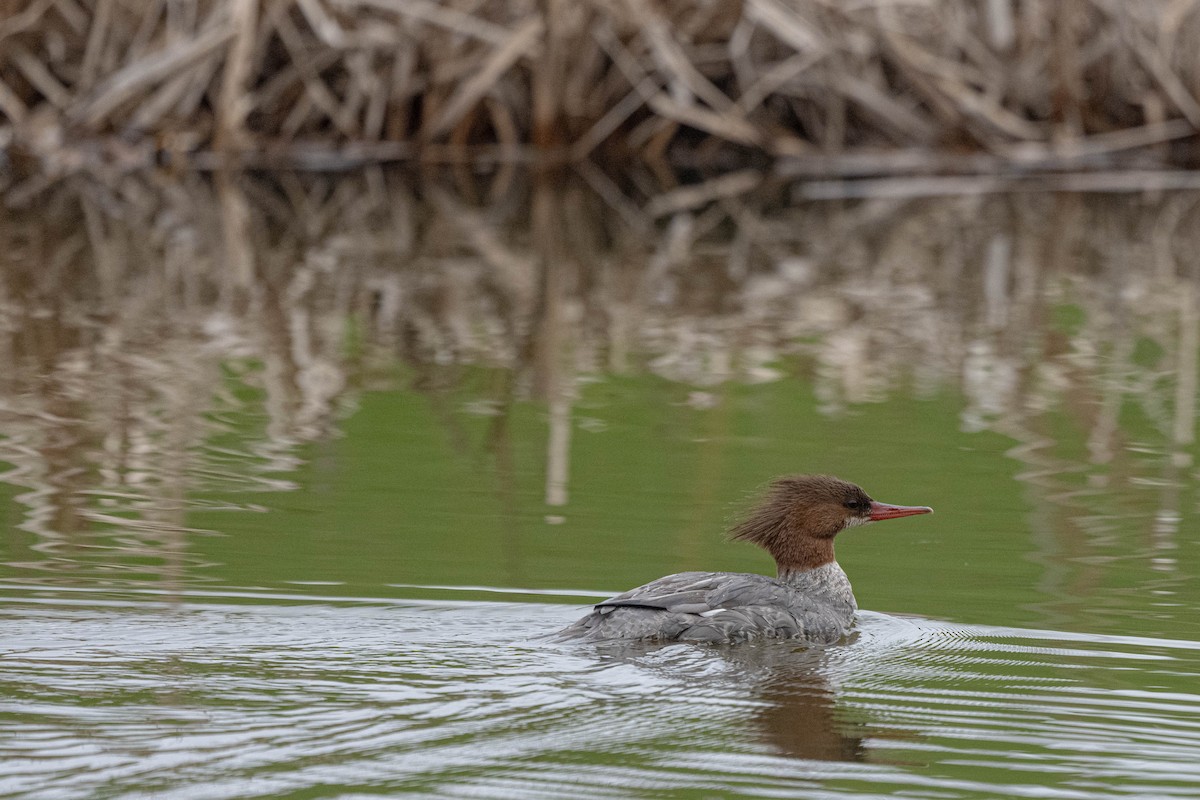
(797, 709)
(799, 717)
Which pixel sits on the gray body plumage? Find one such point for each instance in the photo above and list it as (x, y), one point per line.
(815, 605)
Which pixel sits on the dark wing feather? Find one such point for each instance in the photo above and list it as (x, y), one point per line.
(684, 592)
(700, 592)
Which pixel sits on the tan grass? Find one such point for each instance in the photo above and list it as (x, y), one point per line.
(346, 81)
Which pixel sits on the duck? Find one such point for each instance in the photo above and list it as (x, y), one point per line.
(809, 599)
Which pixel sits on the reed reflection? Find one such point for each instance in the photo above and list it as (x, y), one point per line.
(165, 339)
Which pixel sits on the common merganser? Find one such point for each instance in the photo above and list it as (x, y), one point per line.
(811, 599)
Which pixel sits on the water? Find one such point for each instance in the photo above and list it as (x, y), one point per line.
(298, 472)
(217, 700)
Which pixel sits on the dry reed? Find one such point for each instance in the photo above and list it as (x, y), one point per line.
(333, 83)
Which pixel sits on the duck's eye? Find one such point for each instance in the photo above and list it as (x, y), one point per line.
(854, 505)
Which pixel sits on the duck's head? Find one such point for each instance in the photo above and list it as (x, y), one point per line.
(799, 515)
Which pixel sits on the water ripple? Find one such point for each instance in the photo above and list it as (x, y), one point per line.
(462, 699)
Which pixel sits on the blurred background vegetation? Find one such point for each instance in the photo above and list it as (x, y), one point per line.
(694, 84)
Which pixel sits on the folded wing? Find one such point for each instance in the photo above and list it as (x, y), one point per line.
(713, 607)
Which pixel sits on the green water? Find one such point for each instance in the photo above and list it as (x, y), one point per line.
(288, 503)
(364, 521)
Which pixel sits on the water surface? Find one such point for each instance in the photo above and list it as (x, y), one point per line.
(298, 470)
(216, 700)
